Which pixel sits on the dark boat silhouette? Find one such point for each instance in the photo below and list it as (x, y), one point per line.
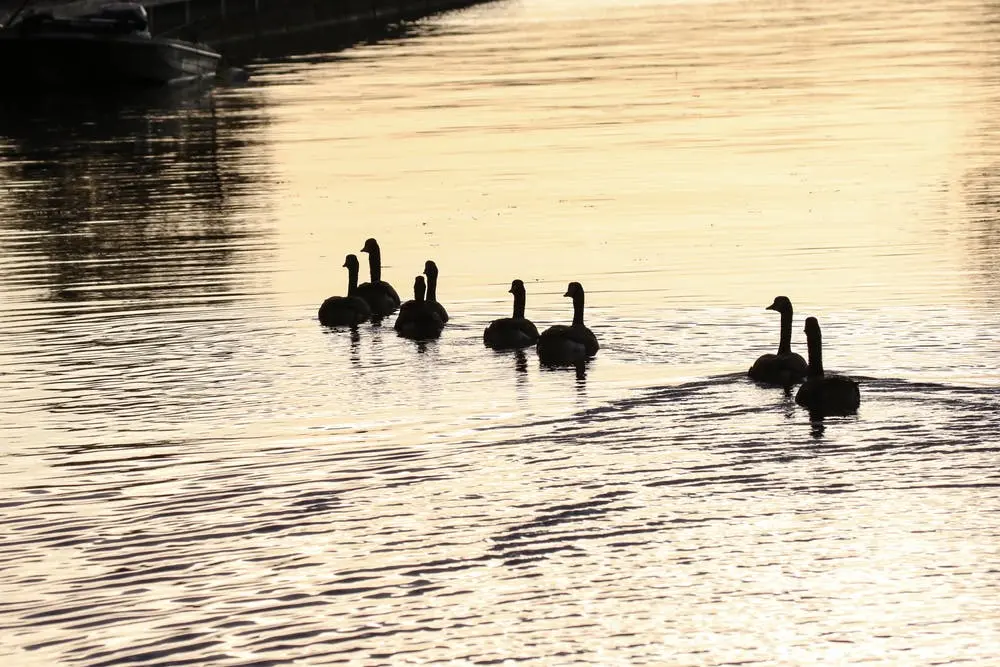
(107, 46)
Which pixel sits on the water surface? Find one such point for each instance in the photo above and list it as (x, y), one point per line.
(196, 472)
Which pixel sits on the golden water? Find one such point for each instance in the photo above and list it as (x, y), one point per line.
(194, 471)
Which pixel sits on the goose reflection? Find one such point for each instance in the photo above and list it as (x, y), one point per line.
(520, 362)
(133, 189)
(355, 338)
(816, 426)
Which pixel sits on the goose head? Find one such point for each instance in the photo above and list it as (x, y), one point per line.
(371, 245)
(351, 262)
(782, 304)
(430, 269)
(574, 290)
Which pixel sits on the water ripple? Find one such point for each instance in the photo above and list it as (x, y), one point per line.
(196, 472)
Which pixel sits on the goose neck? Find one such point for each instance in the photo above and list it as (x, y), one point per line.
(519, 301)
(785, 342)
(815, 341)
(375, 264)
(432, 283)
(352, 280)
(578, 310)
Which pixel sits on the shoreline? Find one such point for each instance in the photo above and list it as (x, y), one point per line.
(244, 29)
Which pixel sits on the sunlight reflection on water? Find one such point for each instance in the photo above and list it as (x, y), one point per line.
(196, 470)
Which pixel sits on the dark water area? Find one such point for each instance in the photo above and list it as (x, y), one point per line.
(194, 471)
(111, 193)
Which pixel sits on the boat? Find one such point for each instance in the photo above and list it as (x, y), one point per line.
(86, 46)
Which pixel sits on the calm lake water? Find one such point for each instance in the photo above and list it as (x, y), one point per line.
(194, 471)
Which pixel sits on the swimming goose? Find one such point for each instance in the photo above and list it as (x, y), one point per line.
(350, 310)
(431, 271)
(510, 333)
(418, 319)
(380, 295)
(825, 394)
(568, 345)
(784, 368)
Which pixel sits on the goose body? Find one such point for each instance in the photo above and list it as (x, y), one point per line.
(511, 333)
(786, 367)
(431, 271)
(350, 310)
(822, 394)
(380, 295)
(418, 319)
(567, 345)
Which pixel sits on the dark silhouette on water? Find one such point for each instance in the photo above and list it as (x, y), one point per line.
(164, 171)
(511, 333)
(418, 319)
(822, 394)
(380, 295)
(355, 338)
(562, 345)
(784, 368)
(431, 271)
(350, 310)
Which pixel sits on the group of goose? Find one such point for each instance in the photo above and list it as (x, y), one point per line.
(423, 318)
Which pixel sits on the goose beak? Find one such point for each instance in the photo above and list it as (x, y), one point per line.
(771, 307)
(567, 293)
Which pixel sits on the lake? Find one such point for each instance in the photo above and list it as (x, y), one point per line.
(195, 471)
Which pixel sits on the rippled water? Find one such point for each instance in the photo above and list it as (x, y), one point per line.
(196, 472)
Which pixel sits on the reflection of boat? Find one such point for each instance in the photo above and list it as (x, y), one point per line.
(110, 45)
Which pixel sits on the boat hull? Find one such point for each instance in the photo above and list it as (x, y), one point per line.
(101, 60)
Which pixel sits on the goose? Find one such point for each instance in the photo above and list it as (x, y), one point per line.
(562, 345)
(350, 310)
(431, 271)
(418, 319)
(825, 394)
(784, 368)
(512, 333)
(380, 295)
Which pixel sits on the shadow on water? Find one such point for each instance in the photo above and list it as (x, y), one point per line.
(980, 184)
(579, 370)
(982, 190)
(129, 195)
(281, 34)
